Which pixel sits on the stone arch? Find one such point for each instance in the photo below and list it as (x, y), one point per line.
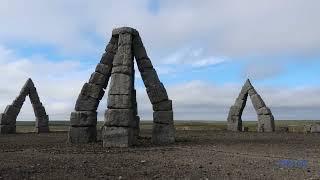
(265, 117)
(9, 117)
(121, 126)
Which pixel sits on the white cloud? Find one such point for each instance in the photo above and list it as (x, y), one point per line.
(262, 70)
(190, 33)
(59, 84)
(199, 100)
(195, 57)
(224, 28)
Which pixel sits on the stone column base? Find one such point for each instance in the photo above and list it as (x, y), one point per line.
(118, 136)
(44, 129)
(7, 129)
(163, 133)
(82, 134)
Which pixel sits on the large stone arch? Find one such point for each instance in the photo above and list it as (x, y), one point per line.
(265, 117)
(9, 117)
(121, 127)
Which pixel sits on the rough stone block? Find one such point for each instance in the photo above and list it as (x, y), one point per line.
(123, 57)
(252, 92)
(234, 123)
(138, 49)
(24, 92)
(264, 111)
(18, 102)
(112, 45)
(123, 70)
(235, 111)
(122, 30)
(144, 64)
(34, 98)
(125, 39)
(39, 110)
(86, 103)
(25, 89)
(163, 117)
(11, 111)
(266, 123)
(82, 134)
(162, 106)
(315, 128)
(157, 93)
(243, 96)
(107, 58)
(135, 108)
(163, 133)
(150, 77)
(44, 119)
(118, 137)
(119, 101)
(257, 102)
(83, 118)
(307, 128)
(241, 104)
(119, 117)
(99, 79)
(136, 127)
(92, 90)
(104, 69)
(247, 86)
(120, 84)
(44, 129)
(7, 129)
(7, 120)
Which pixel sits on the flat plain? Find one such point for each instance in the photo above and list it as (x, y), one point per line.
(204, 150)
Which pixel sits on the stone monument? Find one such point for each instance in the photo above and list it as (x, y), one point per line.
(9, 117)
(121, 126)
(265, 117)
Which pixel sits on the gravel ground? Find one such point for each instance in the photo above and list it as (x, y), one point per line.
(196, 155)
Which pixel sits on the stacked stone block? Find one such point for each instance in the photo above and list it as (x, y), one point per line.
(235, 113)
(118, 130)
(42, 119)
(83, 120)
(163, 127)
(265, 117)
(9, 117)
(121, 126)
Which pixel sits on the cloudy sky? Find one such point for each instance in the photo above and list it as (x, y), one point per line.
(203, 52)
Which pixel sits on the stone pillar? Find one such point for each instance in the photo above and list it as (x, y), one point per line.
(235, 113)
(42, 119)
(83, 120)
(9, 117)
(265, 117)
(136, 124)
(8, 120)
(118, 129)
(163, 127)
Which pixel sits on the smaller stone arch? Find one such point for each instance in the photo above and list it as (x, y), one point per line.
(9, 117)
(265, 117)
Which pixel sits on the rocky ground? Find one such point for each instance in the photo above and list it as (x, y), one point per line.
(196, 155)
